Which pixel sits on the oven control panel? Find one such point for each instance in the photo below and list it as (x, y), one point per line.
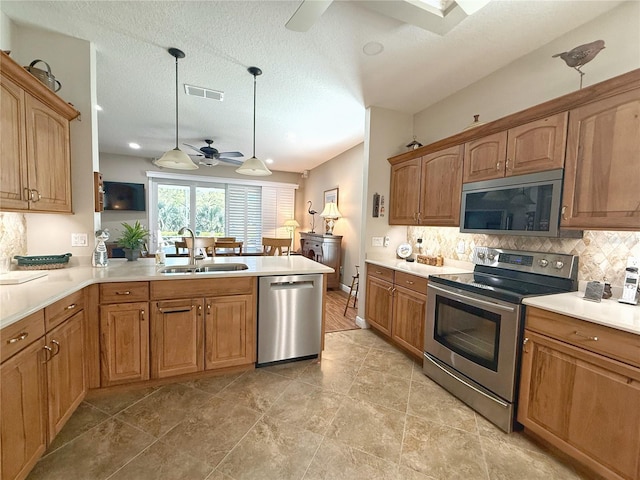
(545, 263)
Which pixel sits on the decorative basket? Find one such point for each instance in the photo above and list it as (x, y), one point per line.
(42, 262)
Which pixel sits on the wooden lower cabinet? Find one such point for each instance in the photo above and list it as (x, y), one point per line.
(177, 333)
(583, 403)
(124, 343)
(66, 384)
(396, 305)
(229, 331)
(23, 412)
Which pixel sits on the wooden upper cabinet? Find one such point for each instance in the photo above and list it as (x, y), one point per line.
(603, 165)
(404, 203)
(441, 188)
(426, 191)
(13, 153)
(484, 158)
(533, 147)
(35, 162)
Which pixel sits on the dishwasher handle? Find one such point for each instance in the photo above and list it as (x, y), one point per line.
(291, 285)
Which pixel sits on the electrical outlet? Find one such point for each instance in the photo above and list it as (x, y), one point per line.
(633, 262)
(79, 240)
(376, 241)
(460, 247)
(386, 241)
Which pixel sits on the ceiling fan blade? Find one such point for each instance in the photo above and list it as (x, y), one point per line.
(194, 148)
(231, 161)
(306, 15)
(209, 162)
(231, 154)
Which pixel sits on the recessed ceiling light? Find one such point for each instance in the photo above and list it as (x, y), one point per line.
(98, 108)
(269, 160)
(134, 145)
(373, 48)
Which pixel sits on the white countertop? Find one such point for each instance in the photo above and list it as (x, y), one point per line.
(18, 301)
(419, 269)
(608, 312)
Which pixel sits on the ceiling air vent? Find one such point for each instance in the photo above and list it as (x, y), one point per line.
(203, 92)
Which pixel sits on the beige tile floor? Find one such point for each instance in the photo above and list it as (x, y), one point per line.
(366, 412)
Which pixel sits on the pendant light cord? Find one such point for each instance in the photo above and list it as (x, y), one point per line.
(254, 116)
(176, 103)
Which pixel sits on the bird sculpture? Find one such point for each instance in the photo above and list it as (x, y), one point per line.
(313, 218)
(581, 55)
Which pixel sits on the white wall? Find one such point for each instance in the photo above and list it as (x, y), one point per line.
(6, 28)
(537, 77)
(345, 173)
(72, 62)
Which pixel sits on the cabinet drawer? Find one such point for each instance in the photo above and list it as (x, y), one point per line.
(18, 335)
(172, 289)
(122, 292)
(616, 344)
(58, 312)
(380, 272)
(412, 282)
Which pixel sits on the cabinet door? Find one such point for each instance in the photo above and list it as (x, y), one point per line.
(230, 336)
(537, 146)
(582, 403)
(23, 428)
(176, 337)
(404, 203)
(602, 166)
(441, 188)
(124, 343)
(13, 154)
(409, 310)
(378, 305)
(484, 158)
(48, 157)
(65, 372)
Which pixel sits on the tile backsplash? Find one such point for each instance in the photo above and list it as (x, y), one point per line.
(603, 254)
(13, 234)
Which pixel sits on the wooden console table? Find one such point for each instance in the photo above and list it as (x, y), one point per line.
(325, 249)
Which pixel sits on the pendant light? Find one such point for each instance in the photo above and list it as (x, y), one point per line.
(254, 166)
(176, 158)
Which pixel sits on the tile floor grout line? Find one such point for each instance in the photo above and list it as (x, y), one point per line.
(74, 439)
(128, 406)
(132, 458)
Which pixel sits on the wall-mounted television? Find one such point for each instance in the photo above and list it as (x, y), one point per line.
(124, 196)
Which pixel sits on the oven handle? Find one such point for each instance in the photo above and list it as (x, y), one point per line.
(467, 384)
(473, 300)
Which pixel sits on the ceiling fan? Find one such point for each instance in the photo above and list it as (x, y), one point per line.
(437, 16)
(212, 157)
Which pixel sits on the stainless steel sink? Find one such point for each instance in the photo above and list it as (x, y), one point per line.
(218, 267)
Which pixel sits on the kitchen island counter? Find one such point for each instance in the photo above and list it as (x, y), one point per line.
(18, 301)
(609, 312)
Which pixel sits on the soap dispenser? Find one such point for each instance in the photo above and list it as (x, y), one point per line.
(100, 257)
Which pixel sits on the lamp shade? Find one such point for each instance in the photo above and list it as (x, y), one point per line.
(253, 166)
(331, 211)
(292, 223)
(176, 159)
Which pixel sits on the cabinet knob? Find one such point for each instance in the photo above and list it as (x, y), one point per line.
(498, 166)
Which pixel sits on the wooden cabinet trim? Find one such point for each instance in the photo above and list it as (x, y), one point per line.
(593, 93)
(411, 282)
(380, 272)
(201, 287)
(121, 292)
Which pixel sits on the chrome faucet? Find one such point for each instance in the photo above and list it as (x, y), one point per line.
(192, 250)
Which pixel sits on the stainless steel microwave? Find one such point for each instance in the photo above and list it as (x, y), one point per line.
(526, 205)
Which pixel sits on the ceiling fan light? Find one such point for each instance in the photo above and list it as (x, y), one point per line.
(177, 160)
(254, 167)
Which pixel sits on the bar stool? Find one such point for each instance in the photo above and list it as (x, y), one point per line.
(355, 283)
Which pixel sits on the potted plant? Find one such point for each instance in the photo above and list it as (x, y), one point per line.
(132, 240)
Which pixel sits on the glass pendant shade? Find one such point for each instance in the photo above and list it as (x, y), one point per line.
(176, 158)
(254, 166)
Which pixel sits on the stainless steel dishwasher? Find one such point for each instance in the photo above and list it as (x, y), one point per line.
(289, 317)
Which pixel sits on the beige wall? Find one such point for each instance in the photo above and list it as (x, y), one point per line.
(345, 173)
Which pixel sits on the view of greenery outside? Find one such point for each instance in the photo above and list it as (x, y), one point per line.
(174, 211)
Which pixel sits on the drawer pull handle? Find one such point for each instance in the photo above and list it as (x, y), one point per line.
(176, 310)
(378, 272)
(22, 336)
(57, 350)
(587, 337)
(47, 353)
(126, 292)
(409, 282)
(72, 306)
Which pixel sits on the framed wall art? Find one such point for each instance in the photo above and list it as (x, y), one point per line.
(331, 196)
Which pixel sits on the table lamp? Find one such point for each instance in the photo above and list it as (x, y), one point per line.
(330, 214)
(291, 225)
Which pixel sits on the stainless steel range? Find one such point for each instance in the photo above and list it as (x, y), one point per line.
(475, 322)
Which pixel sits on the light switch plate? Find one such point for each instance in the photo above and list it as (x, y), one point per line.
(79, 240)
(376, 241)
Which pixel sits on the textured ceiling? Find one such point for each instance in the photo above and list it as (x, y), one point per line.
(315, 85)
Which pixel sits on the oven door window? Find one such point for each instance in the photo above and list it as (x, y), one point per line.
(469, 331)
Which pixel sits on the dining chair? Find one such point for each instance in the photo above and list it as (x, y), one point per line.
(272, 245)
(228, 248)
(208, 243)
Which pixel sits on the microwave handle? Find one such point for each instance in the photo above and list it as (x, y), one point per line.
(473, 300)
